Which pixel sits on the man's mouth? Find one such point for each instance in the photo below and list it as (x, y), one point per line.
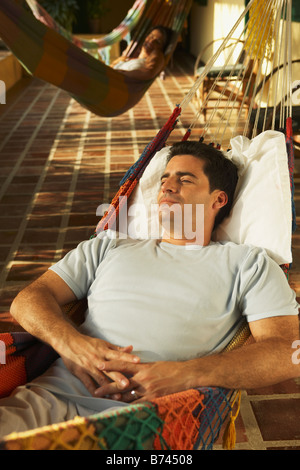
(168, 201)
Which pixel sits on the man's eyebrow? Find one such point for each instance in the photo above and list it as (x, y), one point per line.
(180, 173)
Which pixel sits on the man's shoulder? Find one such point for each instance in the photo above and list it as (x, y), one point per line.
(114, 239)
(237, 247)
(242, 251)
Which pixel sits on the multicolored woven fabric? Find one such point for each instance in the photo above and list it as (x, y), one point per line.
(25, 359)
(291, 164)
(48, 55)
(182, 421)
(118, 33)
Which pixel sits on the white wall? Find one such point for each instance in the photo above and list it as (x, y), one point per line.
(214, 21)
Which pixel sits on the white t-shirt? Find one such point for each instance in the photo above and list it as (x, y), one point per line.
(173, 302)
(132, 64)
(170, 302)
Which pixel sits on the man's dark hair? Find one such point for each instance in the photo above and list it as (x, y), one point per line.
(221, 172)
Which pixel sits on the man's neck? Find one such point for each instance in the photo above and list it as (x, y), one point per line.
(184, 241)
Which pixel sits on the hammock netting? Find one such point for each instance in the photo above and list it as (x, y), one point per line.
(187, 420)
(191, 419)
(51, 56)
(154, 425)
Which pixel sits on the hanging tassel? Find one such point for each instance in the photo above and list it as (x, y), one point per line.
(186, 135)
(229, 437)
(260, 29)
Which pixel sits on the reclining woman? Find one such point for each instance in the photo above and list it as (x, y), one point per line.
(151, 59)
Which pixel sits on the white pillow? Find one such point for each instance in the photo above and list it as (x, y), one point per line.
(143, 209)
(262, 212)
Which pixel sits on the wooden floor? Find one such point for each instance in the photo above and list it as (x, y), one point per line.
(58, 163)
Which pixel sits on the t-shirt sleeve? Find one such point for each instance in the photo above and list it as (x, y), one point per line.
(78, 267)
(265, 291)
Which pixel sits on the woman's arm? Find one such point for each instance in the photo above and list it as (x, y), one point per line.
(153, 65)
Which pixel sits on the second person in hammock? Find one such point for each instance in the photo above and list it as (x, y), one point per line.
(151, 59)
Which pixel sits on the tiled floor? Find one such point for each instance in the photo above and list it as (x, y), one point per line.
(58, 163)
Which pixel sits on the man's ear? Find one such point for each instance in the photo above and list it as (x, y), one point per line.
(221, 199)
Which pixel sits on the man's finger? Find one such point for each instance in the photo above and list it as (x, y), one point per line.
(111, 391)
(107, 389)
(120, 354)
(121, 381)
(89, 382)
(119, 366)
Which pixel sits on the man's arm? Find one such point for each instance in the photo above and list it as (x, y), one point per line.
(38, 310)
(265, 362)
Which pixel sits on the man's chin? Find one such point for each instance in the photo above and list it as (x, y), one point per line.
(169, 214)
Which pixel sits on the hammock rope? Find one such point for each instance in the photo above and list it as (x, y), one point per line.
(271, 33)
(212, 61)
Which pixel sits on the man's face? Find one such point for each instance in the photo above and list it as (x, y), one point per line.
(185, 201)
(154, 41)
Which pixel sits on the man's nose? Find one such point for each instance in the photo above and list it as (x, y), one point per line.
(170, 185)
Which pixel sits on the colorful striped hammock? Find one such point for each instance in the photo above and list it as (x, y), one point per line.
(48, 55)
(118, 33)
(186, 421)
(189, 420)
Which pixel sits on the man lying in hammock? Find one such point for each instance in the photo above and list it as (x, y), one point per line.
(151, 59)
(160, 311)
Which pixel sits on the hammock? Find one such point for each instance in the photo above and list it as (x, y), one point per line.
(48, 55)
(187, 420)
(120, 32)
